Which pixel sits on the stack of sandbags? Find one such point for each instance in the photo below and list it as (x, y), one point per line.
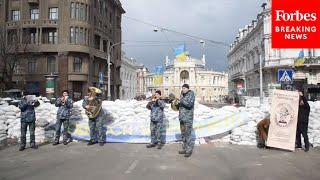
(314, 123)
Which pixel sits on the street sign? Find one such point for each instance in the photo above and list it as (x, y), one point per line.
(285, 76)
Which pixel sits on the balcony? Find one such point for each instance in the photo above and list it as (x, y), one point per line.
(33, 2)
(312, 61)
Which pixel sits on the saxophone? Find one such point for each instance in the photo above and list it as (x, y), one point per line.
(92, 113)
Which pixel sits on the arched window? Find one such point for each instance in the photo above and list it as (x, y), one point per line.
(184, 76)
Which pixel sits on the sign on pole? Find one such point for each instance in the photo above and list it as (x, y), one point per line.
(285, 76)
(284, 117)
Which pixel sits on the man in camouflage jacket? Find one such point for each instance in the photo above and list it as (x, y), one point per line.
(156, 121)
(186, 113)
(28, 119)
(65, 105)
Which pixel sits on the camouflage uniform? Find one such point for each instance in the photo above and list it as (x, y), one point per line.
(96, 124)
(28, 118)
(63, 115)
(186, 113)
(156, 123)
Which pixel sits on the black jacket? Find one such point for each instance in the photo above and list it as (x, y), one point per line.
(304, 111)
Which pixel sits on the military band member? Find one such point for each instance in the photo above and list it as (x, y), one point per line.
(65, 105)
(28, 119)
(156, 106)
(93, 106)
(186, 113)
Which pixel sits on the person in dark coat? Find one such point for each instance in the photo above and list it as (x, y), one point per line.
(28, 119)
(303, 121)
(65, 105)
(156, 106)
(186, 114)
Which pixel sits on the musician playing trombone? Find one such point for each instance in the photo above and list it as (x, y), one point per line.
(156, 106)
(93, 106)
(64, 105)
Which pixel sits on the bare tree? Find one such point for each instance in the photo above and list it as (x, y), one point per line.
(11, 52)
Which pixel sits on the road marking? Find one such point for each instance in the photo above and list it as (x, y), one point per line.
(132, 166)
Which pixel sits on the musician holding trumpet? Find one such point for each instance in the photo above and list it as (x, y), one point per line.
(28, 119)
(64, 105)
(156, 106)
(186, 114)
(93, 106)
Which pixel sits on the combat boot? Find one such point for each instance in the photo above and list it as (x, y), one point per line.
(188, 154)
(33, 146)
(91, 143)
(22, 148)
(160, 145)
(151, 145)
(55, 143)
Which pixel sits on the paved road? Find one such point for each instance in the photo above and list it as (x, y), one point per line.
(130, 161)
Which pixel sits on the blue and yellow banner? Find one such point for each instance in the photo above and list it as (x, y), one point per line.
(131, 133)
(180, 53)
(158, 77)
(300, 60)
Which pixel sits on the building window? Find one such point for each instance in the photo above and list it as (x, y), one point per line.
(53, 13)
(78, 35)
(77, 64)
(73, 10)
(72, 36)
(34, 13)
(32, 65)
(15, 15)
(51, 64)
(33, 38)
(78, 11)
(53, 37)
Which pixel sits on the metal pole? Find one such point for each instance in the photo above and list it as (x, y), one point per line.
(261, 79)
(109, 79)
(109, 73)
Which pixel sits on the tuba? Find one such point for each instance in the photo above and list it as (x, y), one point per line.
(94, 102)
(97, 106)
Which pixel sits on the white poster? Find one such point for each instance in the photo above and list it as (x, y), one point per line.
(284, 117)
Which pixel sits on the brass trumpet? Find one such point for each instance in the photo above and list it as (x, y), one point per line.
(171, 99)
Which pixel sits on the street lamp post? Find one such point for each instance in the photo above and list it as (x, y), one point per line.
(109, 73)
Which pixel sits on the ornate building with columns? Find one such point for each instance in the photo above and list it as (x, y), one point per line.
(209, 86)
(252, 45)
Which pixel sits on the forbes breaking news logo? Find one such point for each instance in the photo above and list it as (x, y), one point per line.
(295, 24)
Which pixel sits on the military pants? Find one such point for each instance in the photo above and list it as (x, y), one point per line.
(302, 129)
(157, 130)
(32, 127)
(186, 129)
(65, 133)
(97, 130)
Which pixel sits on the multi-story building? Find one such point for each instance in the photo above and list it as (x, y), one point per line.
(67, 42)
(252, 45)
(142, 74)
(209, 86)
(128, 76)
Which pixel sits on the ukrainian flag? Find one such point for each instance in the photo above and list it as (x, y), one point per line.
(180, 53)
(300, 60)
(158, 77)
